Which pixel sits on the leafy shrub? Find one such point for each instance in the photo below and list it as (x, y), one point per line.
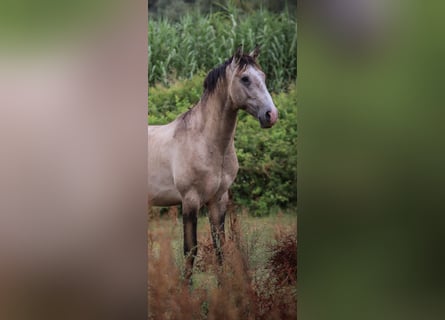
(165, 104)
(268, 158)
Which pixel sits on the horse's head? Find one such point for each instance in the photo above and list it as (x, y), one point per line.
(247, 88)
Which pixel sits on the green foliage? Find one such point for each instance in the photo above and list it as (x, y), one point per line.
(174, 9)
(166, 104)
(268, 158)
(178, 50)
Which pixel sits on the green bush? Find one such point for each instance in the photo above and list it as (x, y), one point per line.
(167, 103)
(268, 159)
(179, 50)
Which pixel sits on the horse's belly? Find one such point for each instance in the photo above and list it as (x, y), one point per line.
(161, 189)
(166, 199)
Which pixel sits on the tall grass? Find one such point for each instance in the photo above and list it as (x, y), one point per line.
(178, 50)
(256, 280)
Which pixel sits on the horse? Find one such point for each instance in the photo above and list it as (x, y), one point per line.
(192, 160)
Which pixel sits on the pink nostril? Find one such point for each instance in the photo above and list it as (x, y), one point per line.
(272, 115)
(269, 118)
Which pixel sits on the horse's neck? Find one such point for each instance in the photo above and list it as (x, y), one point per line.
(219, 120)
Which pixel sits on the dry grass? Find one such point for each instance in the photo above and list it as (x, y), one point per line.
(256, 281)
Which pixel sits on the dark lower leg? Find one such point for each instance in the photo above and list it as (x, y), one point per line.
(218, 237)
(190, 221)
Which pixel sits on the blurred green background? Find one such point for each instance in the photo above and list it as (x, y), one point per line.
(36, 24)
(371, 160)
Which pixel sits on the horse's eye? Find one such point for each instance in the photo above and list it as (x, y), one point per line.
(245, 80)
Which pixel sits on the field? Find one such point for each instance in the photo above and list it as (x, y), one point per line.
(257, 279)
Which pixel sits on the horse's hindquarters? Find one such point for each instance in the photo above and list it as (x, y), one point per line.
(161, 187)
(161, 152)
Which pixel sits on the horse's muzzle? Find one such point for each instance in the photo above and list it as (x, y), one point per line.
(268, 118)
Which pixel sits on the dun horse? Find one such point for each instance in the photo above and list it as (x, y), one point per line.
(192, 160)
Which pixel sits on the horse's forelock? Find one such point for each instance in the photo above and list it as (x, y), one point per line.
(245, 61)
(213, 76)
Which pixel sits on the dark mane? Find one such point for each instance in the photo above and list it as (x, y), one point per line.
(213, 77)
(219, 72)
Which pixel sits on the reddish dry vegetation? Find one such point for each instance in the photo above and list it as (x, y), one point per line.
(283, 261)
(240, 291)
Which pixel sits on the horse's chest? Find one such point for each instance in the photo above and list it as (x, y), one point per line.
(222, 175)
(210, 176)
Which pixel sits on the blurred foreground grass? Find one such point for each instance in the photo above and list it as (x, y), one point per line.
(247, 278)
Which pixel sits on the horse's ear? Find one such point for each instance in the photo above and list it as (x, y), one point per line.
(238, 54)
(255, 53)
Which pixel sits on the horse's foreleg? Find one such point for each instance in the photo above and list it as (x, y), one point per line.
(217, 214)
(190, 208)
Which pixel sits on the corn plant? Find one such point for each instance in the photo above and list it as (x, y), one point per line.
(179, 50)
